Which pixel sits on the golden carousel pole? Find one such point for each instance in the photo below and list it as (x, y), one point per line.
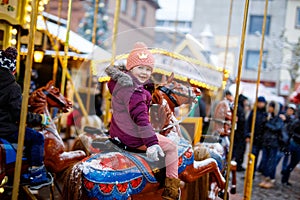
(227, 45)
(115, 31)
(25, 95)
(238, 80)
(113, 55)
(55, 65)
(88, 99)
(66, 49)
(251, 157)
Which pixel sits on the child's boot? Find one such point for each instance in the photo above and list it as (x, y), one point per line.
(39, 177)
(171, 191)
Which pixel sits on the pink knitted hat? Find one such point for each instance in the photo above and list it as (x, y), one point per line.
(140, 55)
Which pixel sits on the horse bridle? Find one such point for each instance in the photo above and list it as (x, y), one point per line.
(48, 94)
(169, 94)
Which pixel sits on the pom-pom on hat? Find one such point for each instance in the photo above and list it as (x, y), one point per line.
(8, 59)
(140, 55)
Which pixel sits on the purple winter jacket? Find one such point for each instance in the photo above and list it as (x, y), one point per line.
(130, 120)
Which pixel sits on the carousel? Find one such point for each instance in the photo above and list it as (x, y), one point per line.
(96, 166)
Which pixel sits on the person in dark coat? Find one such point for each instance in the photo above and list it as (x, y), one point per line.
(239, 144)
(130, 120)
(10, 111)
(260, 120)
(294, 151)
(271, 144)
(289, 117)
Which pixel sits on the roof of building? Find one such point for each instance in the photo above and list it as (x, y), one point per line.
(76, 42)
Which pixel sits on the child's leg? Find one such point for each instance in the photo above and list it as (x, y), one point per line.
(35, 142)
(170, 149)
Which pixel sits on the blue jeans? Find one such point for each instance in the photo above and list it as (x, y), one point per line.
(255, 151)
(295, 158)
(269, 159)
(34, 143)
(286, 157)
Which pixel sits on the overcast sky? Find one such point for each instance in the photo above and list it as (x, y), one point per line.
(169, 7)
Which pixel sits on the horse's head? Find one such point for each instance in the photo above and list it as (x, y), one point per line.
(175, 93)
(48, 96)
(222, 118)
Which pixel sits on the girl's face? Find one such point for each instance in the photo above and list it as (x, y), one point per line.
(142, 73)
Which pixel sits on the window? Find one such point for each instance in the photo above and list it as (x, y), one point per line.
(298, 18)
(134, 9)
(143, 16)
(123, 6)
(256, 22)
(252, 59)
(160, 22)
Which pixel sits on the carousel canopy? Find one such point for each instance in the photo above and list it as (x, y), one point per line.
(76, 42)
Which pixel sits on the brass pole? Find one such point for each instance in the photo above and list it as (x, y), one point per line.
(19, 52)
(115, 30)
(113, 54)
(25, 97)
(55, 65)
(248, 179)
(238, 80)
(227, 40)
(88, 99)
(66, 49)
(68, 76)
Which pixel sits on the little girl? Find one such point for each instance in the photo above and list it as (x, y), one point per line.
(130, 120)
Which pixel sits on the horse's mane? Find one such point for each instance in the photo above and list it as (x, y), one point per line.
(37, 101)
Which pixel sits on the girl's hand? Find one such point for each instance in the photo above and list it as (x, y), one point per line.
(153, 151)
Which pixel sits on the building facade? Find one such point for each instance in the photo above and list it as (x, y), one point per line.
(292, 36)
(215, 15)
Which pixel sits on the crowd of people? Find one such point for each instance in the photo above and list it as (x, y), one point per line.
(276, 138)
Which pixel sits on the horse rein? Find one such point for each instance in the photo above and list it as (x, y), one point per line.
(48, 94)
(169, 93)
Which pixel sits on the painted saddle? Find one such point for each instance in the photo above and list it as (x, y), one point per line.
(118, 173)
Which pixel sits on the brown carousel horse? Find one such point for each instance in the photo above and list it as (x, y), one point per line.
(55, 159)
(218, 141)
(114, 173)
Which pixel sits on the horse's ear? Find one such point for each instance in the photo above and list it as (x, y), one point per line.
(171, 77)
(50, 84)
(163, 79)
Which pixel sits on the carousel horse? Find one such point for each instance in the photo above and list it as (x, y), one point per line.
(115, 173)
(55, 159)
(218, 141)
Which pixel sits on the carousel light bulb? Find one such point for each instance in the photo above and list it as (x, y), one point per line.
(14, 31)
(41, 8)
(27, 18)
(13, 41)
(41, 3)
(40, 17)
(29, 8)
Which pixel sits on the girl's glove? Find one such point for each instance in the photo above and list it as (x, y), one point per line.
(45, 120)
(153, 151)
